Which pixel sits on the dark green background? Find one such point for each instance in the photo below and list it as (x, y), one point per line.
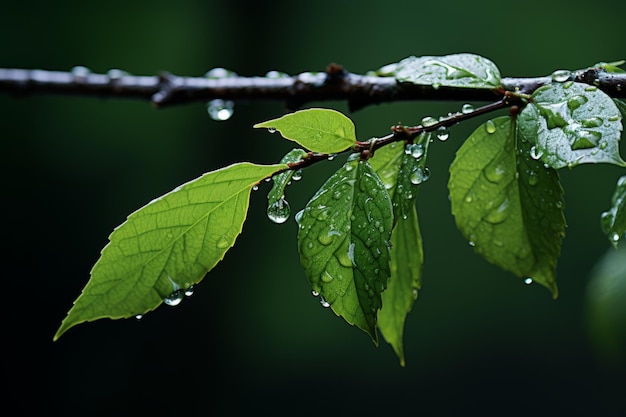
(252, 340)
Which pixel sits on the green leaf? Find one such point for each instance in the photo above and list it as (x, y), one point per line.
(318, 130)
(571, 124)
(386, 162)
(614, 219)
(507, 204)
(278, 209)
(407, 258)
(343, 241)
(168, 245)
(403, 170)
(458, 70)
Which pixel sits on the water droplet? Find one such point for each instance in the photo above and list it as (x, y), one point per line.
(326, 277)
(80, 73)
(279, 211)
(216, 73)
(560, 76)
(443, 134)
(323, 302)
(467, 108)
(615, 237)
(536, 153)
(175, 297)
(429, 121)
(298, 216)
(220, 110)
(115, 74)
(533, 179)
(499, 214)
(331, 156)
(468, 199)
(139, 316)
(255, 188)
(528, 281)
(276, 74)
(494, 173)
(614, 118)
(222, 243)
(585, 139)
(576, 101)
(271, 129)
(297, 175)
(189, 291)
(557, 114)
(416, 150)
(419, 176)
(490, 126)
(591, 122)
(315, 293)
(326, 238)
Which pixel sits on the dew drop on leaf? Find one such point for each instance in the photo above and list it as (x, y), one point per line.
(490, 126)
(535, 153)
(323, 302)
(220, 110)
(528, 281)
(189, 291)
(279, 211)
(419, 175)
(139, 316)
(297, 175)
(561, 76)
(222, 242)
(175, 297)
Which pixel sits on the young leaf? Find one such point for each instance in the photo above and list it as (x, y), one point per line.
(318, 130)
(407, 258)
(458, 70)
(278, 209)
(614, 219)
(343, 240)
(168, 245)
(507, 204)
(406, 249)
(394, 164)
(571, 124)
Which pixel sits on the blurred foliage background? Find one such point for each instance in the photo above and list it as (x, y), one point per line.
(252, 339)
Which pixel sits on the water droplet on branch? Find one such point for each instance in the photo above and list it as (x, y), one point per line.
(220, 110)
(279, 211)
(560, 76)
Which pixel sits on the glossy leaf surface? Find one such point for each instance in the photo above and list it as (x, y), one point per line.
(168, 245)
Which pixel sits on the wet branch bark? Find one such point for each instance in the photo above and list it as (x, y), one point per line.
(335, 83)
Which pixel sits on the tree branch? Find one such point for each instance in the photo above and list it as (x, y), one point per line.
(334, 83)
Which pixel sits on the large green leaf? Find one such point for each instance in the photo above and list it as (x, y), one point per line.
(507, 204)
(318, 130)
(343, 240)
(458, 70)
(571, 124)
(168, 245)
(614, 219)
